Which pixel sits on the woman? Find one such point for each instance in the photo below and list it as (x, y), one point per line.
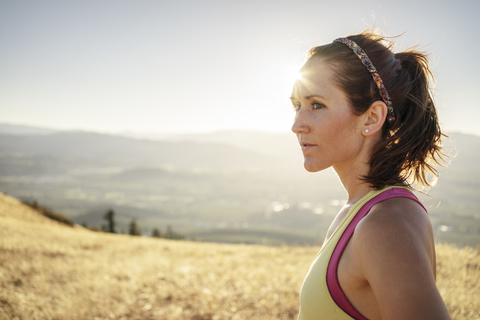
(369, 115)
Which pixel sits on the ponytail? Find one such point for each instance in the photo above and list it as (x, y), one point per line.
(412, 144)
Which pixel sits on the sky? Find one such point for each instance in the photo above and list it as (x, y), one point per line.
(207, 65)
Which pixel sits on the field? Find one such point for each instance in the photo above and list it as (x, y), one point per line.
(51, 271)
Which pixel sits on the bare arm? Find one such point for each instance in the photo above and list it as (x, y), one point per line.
(395, 250)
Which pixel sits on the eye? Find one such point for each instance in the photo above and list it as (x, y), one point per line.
(317, 105)
(296, 106)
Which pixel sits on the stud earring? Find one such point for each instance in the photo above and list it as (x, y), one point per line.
(367, 131)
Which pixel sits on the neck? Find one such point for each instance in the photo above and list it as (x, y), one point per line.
(356, 189)
(350, 176)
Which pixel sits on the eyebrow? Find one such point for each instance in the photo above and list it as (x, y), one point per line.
(310, 97)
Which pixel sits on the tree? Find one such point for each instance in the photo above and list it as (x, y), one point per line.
(133, 228)
(169, 233)
(156, 233)
(110, 218)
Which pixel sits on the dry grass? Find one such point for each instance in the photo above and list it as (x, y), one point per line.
(49, 271)
(458, 278)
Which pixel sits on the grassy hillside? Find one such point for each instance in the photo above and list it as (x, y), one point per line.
(51, 271)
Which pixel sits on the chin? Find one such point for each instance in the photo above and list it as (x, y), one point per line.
(312, 167)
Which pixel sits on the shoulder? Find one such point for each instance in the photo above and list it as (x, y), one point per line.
(396, 226)
(395, 253)
(395, 219)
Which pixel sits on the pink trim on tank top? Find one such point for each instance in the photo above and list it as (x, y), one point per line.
(332, 279)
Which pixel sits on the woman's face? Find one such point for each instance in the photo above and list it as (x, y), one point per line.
(328, 132)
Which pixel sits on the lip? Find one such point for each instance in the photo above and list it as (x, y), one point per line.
(306, 146)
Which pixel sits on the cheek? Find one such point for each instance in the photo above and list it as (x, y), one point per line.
(343, 137)
(342, 127)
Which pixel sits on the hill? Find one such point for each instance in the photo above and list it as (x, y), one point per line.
(51, 271)
(12, 209)
(15, 129)
(94, 149)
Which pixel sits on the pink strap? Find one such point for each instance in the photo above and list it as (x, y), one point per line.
(332, 279)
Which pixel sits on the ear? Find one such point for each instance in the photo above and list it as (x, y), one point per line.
(374, 118)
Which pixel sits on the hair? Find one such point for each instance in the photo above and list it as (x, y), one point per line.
(411, 145)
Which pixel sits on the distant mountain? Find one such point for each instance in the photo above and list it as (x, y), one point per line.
(279, 144)
(464, 150)
(21, 130)
(226, 150)
(109, 150)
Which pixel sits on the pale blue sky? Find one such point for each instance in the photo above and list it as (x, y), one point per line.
(202, 66)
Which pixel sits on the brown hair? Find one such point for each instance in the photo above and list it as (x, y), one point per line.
(411, 144)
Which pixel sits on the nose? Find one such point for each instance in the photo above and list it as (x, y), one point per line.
(300, 123)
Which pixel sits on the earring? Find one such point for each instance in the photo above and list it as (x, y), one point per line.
(366, 130)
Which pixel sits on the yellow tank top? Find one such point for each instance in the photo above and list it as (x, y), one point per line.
(316, 302)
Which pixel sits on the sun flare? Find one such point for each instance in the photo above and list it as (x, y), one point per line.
(292, 74)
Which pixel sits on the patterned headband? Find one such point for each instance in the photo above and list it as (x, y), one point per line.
(376, 77)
